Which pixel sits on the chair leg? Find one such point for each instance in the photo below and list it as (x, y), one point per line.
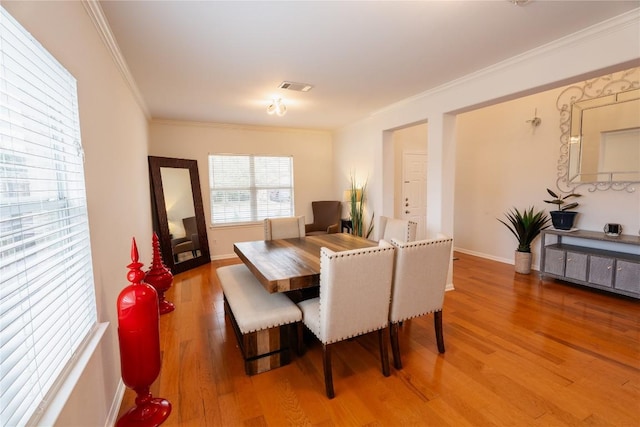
(300, 338)
(395, 345)
(383, 337)
(328, 375)
(437, 323)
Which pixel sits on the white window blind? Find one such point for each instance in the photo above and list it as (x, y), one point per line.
(247, 188)
(47, 296)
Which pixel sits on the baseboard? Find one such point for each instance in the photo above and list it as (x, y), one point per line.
(224, 256)
(112, 416)
(535, 267)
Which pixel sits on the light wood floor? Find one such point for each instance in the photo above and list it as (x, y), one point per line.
(519, 352)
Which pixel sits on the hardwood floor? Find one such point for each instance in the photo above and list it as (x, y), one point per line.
(519, 352)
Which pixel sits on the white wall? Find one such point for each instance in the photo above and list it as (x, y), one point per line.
(503, 162)
(612, 45)
(312, 166)
(114, 136)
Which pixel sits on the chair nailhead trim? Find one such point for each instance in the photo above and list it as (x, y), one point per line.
(374, 250)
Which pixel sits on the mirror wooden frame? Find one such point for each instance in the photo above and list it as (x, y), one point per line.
(160, 221)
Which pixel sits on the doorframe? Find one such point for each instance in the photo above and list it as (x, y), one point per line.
(388, 167)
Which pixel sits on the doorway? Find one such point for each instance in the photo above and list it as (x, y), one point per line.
(413, 205)
(410, 175)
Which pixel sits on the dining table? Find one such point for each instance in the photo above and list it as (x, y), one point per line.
(284, 265)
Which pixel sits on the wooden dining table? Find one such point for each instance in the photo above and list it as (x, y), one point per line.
(293, 264)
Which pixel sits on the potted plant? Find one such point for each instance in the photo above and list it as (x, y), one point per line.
(357, 199)
(562, 218)
(526, 226)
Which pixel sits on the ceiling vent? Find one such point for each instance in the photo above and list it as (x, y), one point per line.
(298, 87)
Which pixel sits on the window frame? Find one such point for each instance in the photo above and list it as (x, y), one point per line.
(265, 199)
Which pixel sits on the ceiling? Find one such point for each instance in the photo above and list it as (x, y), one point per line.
(222, 61)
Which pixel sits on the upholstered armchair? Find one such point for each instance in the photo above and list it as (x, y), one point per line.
(326, 218)
(283, 228)
(399, 229)
(190, 242)
(419, 281)
(355, 287)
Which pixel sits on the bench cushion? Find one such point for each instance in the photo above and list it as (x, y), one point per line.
(253, 307)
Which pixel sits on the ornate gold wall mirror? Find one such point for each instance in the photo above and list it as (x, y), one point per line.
(600, 133)
(178, 213)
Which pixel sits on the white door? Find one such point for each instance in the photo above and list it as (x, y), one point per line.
(414, 191)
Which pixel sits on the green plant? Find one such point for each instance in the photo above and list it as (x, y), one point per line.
(526, 226)
(560, 201)
(358, 196)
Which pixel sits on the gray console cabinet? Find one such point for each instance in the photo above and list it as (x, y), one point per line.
(615, 271)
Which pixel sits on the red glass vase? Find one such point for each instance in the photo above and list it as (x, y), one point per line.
(139, 336)
(160, 277)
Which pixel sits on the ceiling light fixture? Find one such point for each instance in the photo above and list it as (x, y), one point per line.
(277, 107)
(519, 2)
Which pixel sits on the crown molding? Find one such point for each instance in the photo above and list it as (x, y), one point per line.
(94, 10)
(237, 126)
(615, 24)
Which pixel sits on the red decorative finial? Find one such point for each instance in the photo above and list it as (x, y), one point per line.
(135, 274)
(160, 277)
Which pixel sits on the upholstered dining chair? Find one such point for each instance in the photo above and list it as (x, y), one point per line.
(399, 229)
(419, 281)
(326, 218)
(355, 287)
(283, 228)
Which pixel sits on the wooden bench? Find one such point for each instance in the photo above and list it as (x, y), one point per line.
(262, 321)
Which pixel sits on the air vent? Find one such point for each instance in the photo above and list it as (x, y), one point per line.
(298, 87)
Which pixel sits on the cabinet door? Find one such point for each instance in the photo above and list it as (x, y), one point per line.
(628, 276)
(576, 266)
(601, 270)
(554, 261)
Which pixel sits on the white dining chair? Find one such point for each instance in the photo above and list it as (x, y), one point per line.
(355, 287)
(399, 229)
(284, 228)
(419, 282)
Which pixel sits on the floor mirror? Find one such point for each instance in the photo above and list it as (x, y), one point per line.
(178, 214)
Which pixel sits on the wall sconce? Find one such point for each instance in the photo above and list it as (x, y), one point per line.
(536, 121)
(277, 107)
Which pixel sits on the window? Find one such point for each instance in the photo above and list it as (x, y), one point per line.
(250, 188)
(47, 296)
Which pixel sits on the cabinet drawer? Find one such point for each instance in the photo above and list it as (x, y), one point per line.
(576, 266)
(554, 261)
(628, 276)
(601, 270)
(593, 265)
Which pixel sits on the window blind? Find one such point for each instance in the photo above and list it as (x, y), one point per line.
(249, 188)
(47, 296)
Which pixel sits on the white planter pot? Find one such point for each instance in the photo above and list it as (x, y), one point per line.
(523, 262)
